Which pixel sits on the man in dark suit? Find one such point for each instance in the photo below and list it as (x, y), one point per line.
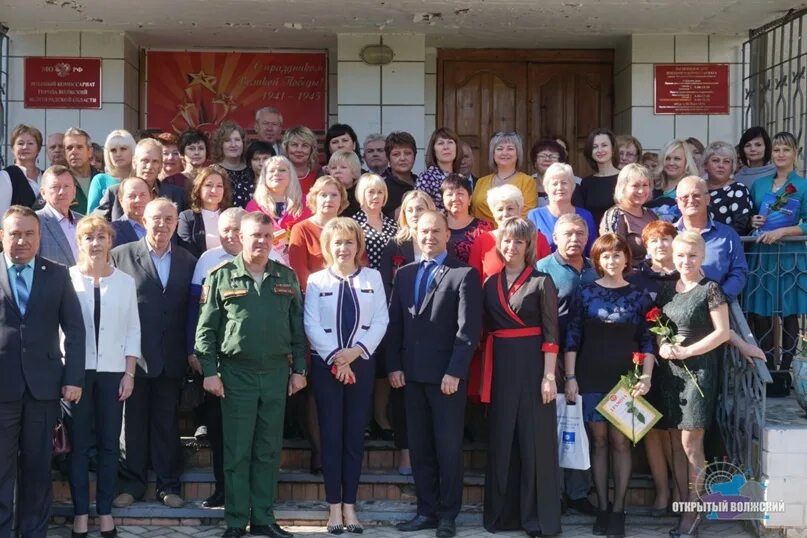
(133, 195)
(435, 325)
(162, 274)
(57, 221)
(36, 299)
(147, 162)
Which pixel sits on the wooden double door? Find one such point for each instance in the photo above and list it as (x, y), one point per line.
(538, 94)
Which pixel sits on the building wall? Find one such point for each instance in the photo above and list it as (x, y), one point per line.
(119, 82)
(633, 87)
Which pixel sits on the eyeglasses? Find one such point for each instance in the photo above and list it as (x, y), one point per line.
(628, 154)
(695, 197)
(505, 133)
(548, 156)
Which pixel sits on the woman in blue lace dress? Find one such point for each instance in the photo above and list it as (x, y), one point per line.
(606, 326)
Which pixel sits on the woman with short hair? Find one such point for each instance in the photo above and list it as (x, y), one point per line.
(341, 137)
(754, 151)
(109, 308)
(729, 201)
(464, 227)
(443, 157)
(344, 322)
(172, 158)
(198, 227)
(401, 150)
(506, 156)
(278, 195)
(228, 152)
(628, 217)
(560, 188)
(629, 150)
(345, 166)
(607, 326)
(192, 145)
(119, 151)
(545, 153)
(257, 154)
(300, 146)
(522, 482)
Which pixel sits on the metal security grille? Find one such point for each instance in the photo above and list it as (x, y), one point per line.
(4, 42)
(775, 78)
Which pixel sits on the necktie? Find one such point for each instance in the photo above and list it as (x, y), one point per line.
(424, 282)
(22, 288)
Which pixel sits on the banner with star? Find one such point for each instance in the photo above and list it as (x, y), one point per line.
(199, 89)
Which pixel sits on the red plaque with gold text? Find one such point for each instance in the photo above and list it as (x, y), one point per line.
(52, 82)
(691, 88)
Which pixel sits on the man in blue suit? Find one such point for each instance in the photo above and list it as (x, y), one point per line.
(36, 300)
(435, 324)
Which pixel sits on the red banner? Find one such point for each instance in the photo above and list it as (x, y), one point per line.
(691, 88)
(201, 89)
(52, 82)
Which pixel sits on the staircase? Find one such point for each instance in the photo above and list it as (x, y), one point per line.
(384, 495)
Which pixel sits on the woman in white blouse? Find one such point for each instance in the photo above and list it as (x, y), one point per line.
(109, 309)
(345, 320)
(210, 194)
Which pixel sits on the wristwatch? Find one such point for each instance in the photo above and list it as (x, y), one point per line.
(549, 377)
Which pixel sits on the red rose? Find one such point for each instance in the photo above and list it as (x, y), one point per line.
(638, 358)
(653, 314)
(790, 189)
(398, 260)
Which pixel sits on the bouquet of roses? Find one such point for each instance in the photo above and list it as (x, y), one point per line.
(661, 327)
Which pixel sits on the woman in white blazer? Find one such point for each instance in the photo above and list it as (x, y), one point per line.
(345, 320)
(109, 308)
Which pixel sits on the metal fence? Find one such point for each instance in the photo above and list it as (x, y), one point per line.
(775, 77)
(4, 52)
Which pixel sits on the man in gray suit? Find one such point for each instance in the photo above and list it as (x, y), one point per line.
(58, 222)
(162, 274)
(36, 300)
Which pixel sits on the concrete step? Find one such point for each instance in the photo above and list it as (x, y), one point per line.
(374, 512)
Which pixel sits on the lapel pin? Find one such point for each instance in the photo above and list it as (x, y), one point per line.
(43, 267)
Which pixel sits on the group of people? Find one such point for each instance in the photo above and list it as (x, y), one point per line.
(379, 295)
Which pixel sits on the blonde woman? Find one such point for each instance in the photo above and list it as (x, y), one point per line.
(628, 217)
(676, 163)
(109, 310)
(279, 196)
(300, 146)
(342, 361)
(118, 155)
(345, 166)
(228, 148)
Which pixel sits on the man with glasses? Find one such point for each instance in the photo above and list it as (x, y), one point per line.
(725, 260)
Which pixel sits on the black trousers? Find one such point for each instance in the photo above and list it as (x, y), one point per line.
(435, 424)
(26, 429)
(151, 435)
(99, 407)
(211, 408)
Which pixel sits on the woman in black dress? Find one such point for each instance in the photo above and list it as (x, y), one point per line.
(606, 326)
(596, 192)
(522, 483)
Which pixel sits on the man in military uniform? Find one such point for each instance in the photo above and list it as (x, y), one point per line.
(250, 333)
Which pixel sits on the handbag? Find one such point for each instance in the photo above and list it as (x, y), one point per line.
(61, 441)
(572, 439)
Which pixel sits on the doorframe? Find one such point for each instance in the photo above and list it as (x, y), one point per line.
(566, 56)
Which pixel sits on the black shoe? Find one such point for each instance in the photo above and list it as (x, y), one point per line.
(272, 530)
(335, 529)
(110, 534)
(583, 506)
(616, 525)
(446, 528)
(354, 528)
(601, 523)
(315, 465)
(232, 532)
(214, 501)
(74, 534)
(418, 523)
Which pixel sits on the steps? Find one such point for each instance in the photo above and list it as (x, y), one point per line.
(384, 495)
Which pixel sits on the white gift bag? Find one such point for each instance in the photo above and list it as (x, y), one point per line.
(572, 439)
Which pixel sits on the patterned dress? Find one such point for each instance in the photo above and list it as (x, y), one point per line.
(429, 182)
(242, 184)
(731, 204)
(681, 403)
(374, 240)
(463, 238)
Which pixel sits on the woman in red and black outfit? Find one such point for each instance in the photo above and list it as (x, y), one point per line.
(522, 483)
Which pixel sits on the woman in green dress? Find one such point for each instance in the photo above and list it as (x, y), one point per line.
(688, 378)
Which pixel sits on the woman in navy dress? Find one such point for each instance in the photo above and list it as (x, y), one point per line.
(607, 325)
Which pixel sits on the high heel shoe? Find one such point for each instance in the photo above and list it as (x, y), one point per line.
(110, 534)
(601, 523)
(354, 528)
(335, 529)
(692, 531)
(74, 534)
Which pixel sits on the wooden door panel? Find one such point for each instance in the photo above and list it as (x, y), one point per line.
(481, 98)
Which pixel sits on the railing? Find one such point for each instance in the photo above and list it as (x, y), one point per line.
(4, 52)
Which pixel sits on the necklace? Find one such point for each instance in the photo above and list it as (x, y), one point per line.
(503, 179)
